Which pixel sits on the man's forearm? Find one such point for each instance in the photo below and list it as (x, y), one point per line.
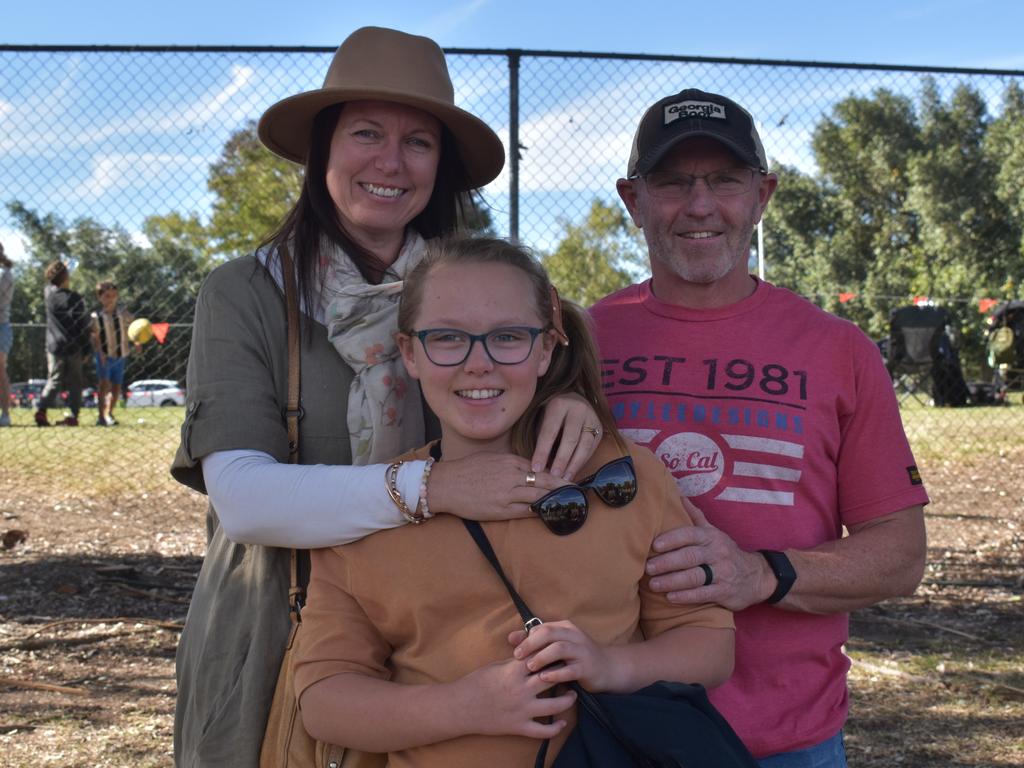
(879, 559)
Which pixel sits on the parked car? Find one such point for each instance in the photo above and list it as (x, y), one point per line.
(25, 394)
(164, 392)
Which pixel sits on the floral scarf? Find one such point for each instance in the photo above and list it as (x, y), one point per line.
(385, 411)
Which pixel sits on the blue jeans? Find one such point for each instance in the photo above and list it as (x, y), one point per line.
(828, 754)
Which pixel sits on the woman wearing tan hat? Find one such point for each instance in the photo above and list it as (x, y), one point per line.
(390, 162)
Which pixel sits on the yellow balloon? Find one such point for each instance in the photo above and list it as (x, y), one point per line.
(140, 331)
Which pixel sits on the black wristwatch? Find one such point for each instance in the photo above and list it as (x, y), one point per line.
(784, 572)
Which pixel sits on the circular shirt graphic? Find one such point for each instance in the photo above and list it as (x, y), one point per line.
(694, 460)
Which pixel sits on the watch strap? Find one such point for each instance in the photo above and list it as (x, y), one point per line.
(784, 572)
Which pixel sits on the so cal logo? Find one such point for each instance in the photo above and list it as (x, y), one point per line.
(694, 460)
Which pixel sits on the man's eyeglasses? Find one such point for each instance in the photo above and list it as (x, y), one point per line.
(564, 510)
(451, 346)
(727, 182)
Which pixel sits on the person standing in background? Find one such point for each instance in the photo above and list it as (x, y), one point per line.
(110, 343)
(67, 341)
(6, 335)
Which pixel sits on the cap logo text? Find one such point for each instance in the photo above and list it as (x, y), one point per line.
(705, 109)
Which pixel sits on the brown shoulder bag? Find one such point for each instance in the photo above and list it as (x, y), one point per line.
(285, 741)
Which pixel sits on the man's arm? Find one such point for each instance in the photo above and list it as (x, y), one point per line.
(879, 559)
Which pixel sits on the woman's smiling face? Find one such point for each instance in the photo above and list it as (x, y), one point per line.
(381, 171)
(478, 401)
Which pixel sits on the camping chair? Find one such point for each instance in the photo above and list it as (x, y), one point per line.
(922, 361)
(1005, 346)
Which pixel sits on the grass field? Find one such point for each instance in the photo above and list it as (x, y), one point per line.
(92, 600)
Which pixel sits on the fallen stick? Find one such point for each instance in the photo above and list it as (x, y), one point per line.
(16, 682)
(112, 620)
(11, 727)
(31, 643)
(954, 583)
(979, 676)
(922, 622)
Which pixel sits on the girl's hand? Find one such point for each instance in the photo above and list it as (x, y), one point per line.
(567, 415)
(575, 654)
(487, 486)
(504, 698)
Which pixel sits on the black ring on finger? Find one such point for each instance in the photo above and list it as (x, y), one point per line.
(709, 575)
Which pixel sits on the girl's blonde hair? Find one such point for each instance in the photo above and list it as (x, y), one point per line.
(575, 368)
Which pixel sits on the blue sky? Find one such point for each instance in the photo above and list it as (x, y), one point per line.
(977, 33)
(965, 33)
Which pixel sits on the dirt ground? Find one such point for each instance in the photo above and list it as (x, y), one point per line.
(92, 601)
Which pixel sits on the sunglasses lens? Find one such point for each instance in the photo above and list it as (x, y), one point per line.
(615, 484)
(563, 511)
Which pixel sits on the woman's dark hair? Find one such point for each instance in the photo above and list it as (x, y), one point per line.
(313, 218)
(574, 367)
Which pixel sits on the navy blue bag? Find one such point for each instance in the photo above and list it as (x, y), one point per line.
(665, 725)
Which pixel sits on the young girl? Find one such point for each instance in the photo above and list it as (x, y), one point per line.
(411, 644)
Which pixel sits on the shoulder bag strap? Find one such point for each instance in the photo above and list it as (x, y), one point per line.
(296, 593)
(584, 697)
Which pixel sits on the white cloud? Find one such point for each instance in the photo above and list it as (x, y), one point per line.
(445, 23)
(217, 105)
(116, 172)
(29, 124)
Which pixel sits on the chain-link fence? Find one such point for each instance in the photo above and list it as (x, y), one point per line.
(110, 159)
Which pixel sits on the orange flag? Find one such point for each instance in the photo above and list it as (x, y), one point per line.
(984, 305)
(160, 331)
(845, 297)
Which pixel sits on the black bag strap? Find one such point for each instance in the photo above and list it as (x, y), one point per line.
(477, 532)
(584, 697)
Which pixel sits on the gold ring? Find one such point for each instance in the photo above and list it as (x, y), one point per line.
(531, 479)
(595, 431)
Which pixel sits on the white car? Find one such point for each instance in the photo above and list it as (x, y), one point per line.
(165, 392)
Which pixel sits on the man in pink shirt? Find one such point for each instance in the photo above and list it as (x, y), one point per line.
(778, 421)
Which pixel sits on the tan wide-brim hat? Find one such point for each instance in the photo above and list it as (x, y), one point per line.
(386, 65)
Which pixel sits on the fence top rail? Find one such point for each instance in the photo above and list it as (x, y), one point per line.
(514, 53)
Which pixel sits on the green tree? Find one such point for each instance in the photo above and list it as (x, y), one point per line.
(601, 255)
(799, 226)
(253, 191)
(863, 150)
(965, 229)
(1004, 147)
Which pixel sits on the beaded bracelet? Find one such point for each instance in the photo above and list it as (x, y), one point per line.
(391, 484)
(422, 507)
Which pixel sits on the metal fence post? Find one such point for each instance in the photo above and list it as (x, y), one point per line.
(513, 145)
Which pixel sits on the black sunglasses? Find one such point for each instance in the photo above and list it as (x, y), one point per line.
(564, 510)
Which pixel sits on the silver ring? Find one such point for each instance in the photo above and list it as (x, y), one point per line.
(709, 575)
(531, 479)
(595, 431)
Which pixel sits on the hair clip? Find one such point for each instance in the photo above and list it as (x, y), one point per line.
(556, 318)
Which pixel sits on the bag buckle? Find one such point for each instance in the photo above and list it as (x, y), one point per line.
(531, 624)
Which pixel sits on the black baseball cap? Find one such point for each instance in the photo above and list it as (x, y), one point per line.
(690, 113)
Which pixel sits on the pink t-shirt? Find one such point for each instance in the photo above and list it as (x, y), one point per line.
(779, 421)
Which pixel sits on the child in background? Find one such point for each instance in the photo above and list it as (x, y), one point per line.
(111, 346)
(410, 643)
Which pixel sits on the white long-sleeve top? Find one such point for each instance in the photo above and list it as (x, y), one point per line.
(261, 501)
